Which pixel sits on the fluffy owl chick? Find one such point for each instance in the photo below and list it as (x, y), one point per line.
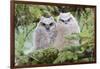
(45, 32)
(67, 25)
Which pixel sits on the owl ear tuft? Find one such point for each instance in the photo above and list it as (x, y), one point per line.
(51, 18)
(42, 17)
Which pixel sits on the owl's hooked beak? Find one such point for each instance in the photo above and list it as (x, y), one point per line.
(47, 29)
(65, 22)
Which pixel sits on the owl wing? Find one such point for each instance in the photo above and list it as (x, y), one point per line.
(37, 38)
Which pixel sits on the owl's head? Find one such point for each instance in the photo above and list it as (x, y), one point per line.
(68, 21)
(66, 18)
(48, 23)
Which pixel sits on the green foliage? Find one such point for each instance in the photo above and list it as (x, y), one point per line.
(45, 56)
(26, 19)
(75, 54)
(64, 56)
(74, 36)
(69, 54)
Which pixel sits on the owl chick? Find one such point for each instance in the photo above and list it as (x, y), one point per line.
(45, 32)
(42, 37)
(66, 25)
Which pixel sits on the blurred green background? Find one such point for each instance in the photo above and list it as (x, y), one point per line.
(26, 19)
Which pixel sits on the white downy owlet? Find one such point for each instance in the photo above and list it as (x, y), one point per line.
(66, 25)
(45, 32)
(43, 36)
